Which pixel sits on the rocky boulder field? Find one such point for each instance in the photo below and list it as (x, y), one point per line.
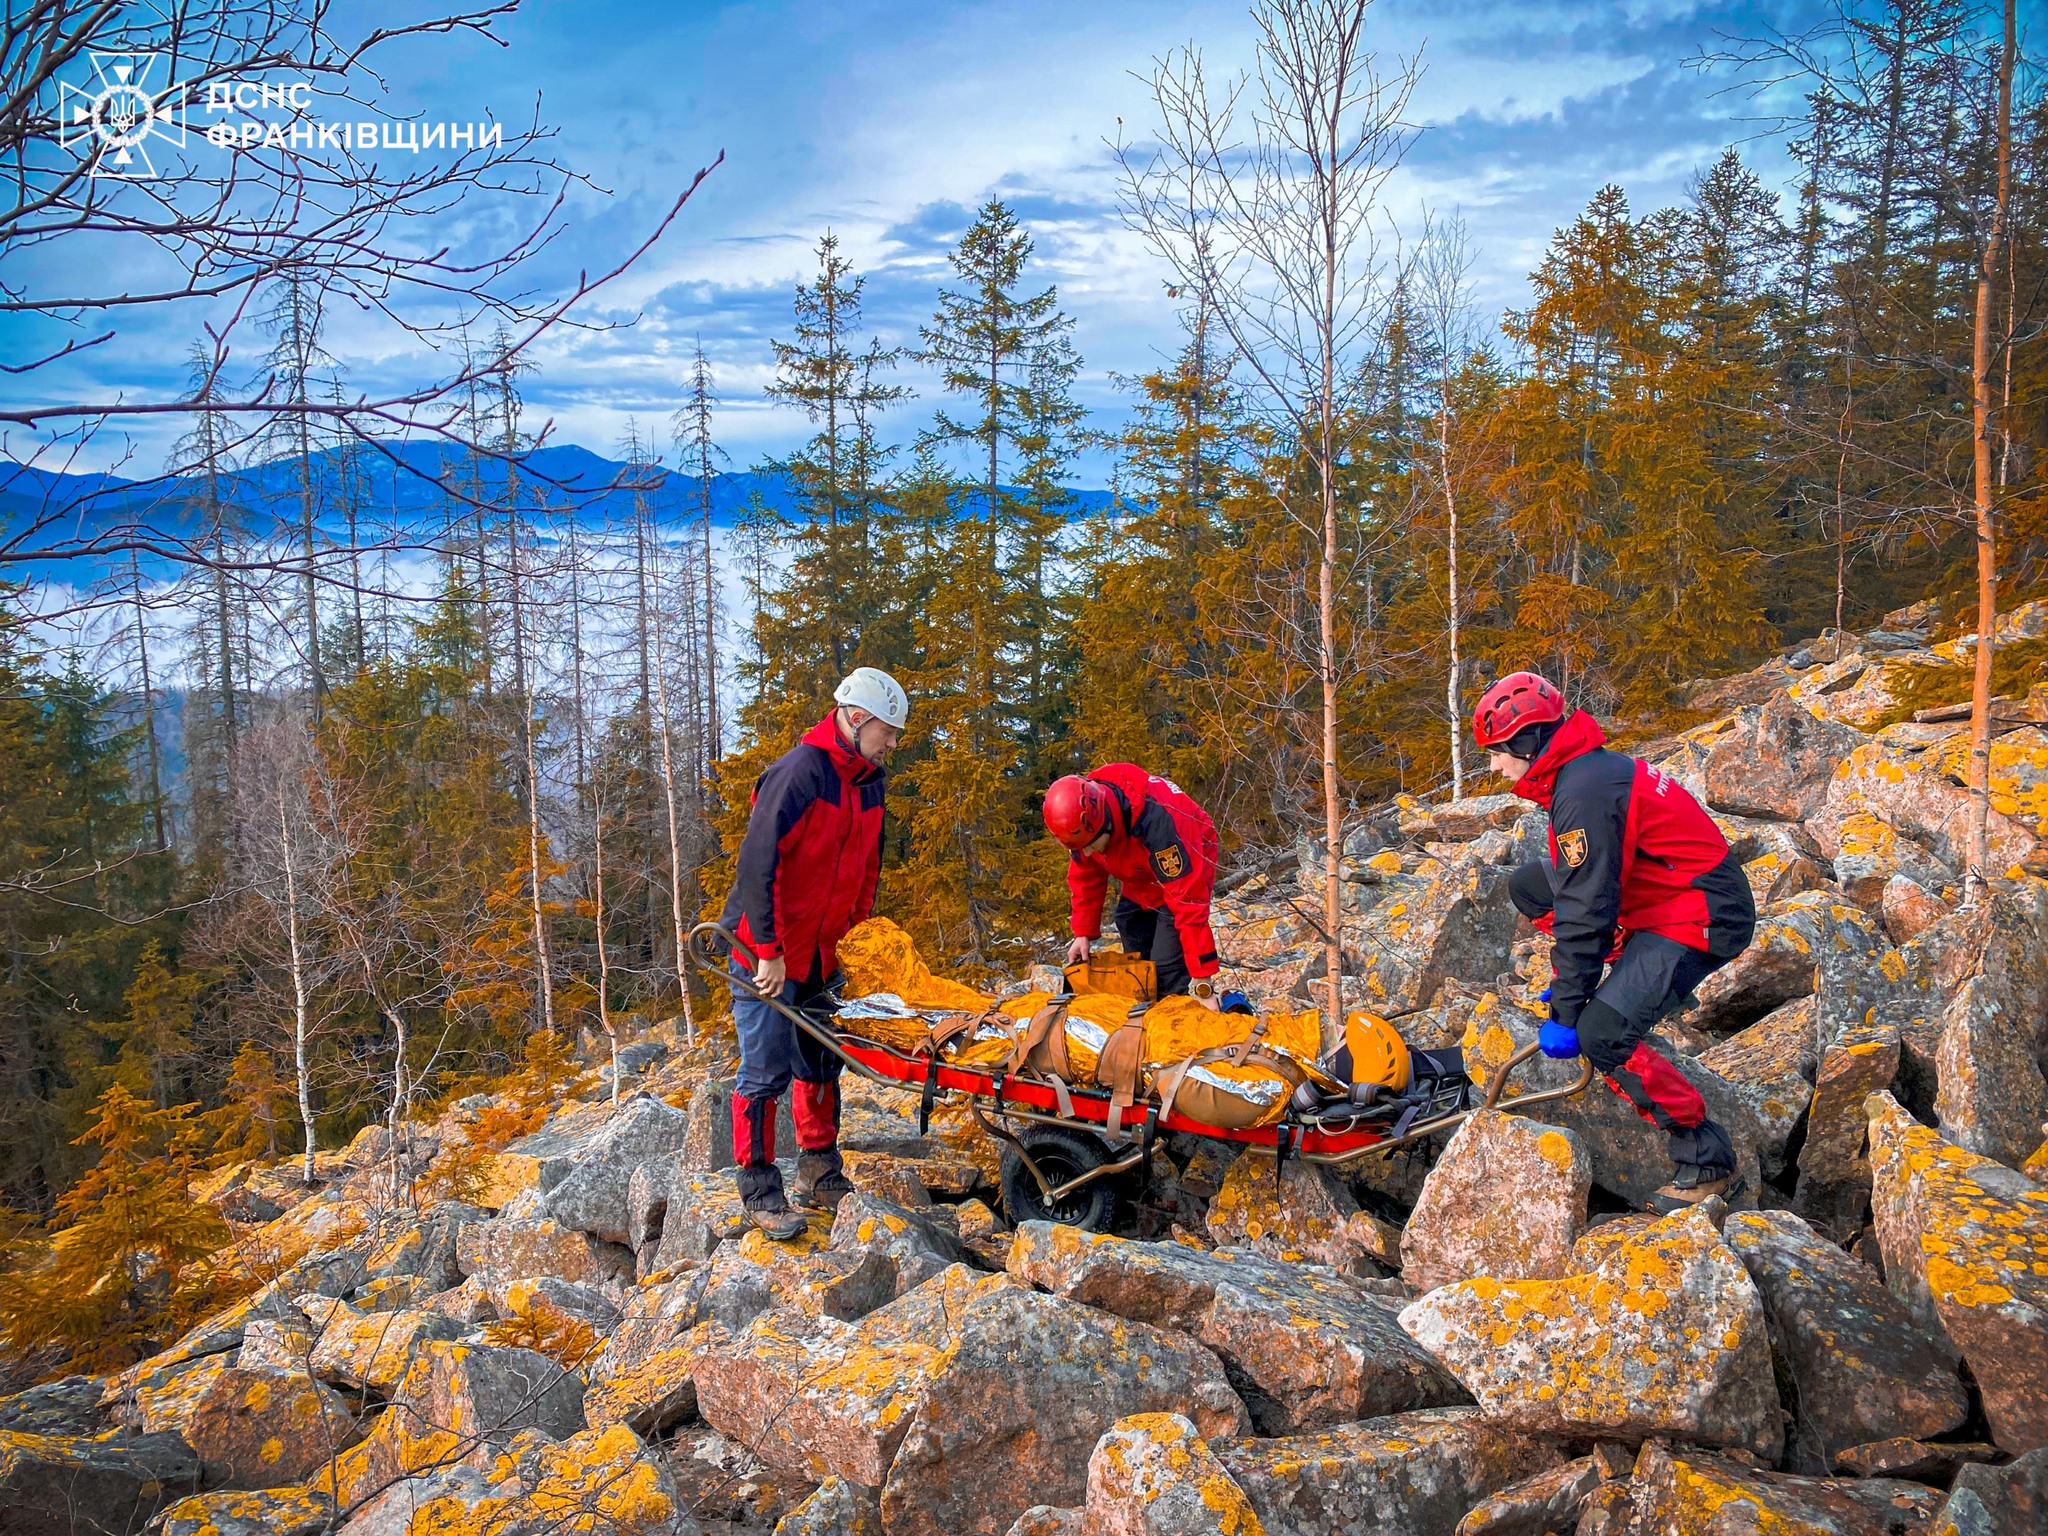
(1478, 1337)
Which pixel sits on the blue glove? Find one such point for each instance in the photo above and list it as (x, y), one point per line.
(1558, 1041)
(1234, 1001)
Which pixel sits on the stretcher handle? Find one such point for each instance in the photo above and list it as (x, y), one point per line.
(1523, 1101)
(1494, 1089)
(711, 947)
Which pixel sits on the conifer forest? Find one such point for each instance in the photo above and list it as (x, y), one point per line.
(368, 753)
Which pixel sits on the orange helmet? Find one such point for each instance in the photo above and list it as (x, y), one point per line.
(1378, 1053)
(1076, 811)
(1517, 700)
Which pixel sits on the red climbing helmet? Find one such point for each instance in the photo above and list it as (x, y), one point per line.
(1076, 811)
(1517, 700)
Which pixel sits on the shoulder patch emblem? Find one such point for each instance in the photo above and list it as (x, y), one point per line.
(1169, 863)
(1571, 846)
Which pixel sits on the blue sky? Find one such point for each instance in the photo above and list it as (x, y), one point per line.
(888, 121)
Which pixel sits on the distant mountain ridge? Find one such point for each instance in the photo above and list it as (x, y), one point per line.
(400, 491)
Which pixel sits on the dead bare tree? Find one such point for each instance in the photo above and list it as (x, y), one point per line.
(677, 913)
(1263, 196)
(1441, 295)
(283, 863)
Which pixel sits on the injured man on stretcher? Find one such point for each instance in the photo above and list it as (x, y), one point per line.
(1232, 1069)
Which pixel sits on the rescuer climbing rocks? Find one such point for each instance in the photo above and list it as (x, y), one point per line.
(1639, 884)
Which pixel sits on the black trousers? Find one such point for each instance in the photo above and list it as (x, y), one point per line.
(1150, 932)
(1650, 978)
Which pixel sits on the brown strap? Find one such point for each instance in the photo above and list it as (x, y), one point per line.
(1243, 1048)
(1061, 1096)
(1042, 1047)
(1121, 1069)
(949, 1028)
(1168, 1082)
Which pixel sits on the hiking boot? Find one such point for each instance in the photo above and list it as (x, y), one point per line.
(821, 1181)
(761, 1195)
(780, 1221)
(1694, 1186)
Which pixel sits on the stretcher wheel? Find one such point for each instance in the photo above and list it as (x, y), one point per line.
(1061, 1154)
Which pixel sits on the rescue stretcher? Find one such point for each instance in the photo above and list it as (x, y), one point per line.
(1067, 1137)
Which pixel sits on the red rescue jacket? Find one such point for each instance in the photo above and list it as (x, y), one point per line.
(812, 855)
(1630, 851)
(1162, 851)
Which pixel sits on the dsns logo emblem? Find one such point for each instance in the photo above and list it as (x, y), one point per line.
(111, 120)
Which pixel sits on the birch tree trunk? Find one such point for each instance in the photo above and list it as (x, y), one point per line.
(1454, 682)
(604, 966)
(1987, 550)
(300, 992)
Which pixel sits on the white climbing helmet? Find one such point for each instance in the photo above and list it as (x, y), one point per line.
(875, 691)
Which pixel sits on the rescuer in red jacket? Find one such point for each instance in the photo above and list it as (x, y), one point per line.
(807, 872)
(1639, 884)
(1161, 847)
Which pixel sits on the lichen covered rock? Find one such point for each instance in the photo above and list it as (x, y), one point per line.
(1631, 1158)
(265, 1429)
(1859, 1367)
(510, 1248)
(596, 1483)
(1696, 1493)
(824, 1398)
(1776, 761)
(656, 1390)
(1411, 1474)
(267, 1512)
(373, 1349)
(838, 1508)
(916, 1246)
(1771, 1065)
(1153, 1475)
(1834, 1172)
(1992, 1501)
(55, 1485)
(1024, 1388)
(1990, 1095)
(1302, 1213)
(1305, 1350)
(1965, 1244)
(1507, 1198)
(478, 1393)
(1666, 1336)
(1546, 1502)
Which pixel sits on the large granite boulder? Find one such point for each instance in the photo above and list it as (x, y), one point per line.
(1507, 1198)
(1299, 1212)
(1410, 1474)
(1631, 1158)
(62, 1485)
(1028, 1384)
(1666, 1337)
(1834, 1172)
(1696, 1493)
(1303, 1349)
(1154, 1475)
(1857, 1365)
(1775, 762)
(1965, 1245)
(592, 1194)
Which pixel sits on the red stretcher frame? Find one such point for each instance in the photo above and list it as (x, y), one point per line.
(1012, 1096)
